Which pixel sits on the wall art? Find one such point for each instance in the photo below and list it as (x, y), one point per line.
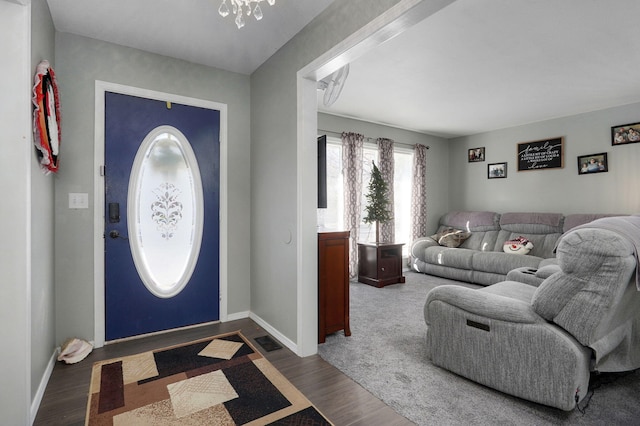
(542, 154)
(496, 170)
(46, 117)
(593, 163)
(624, 134)
(476, 155)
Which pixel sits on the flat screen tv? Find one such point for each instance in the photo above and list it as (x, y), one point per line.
(322, 172)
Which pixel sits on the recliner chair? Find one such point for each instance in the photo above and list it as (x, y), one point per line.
(541, 343)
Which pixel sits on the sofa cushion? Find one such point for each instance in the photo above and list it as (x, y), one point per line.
(483, 226)
(542, 229)
(465, 275)
(481, 241)
(471, 221)
(450, 257)
(512, 289)
(535, 223)
(573, 220)
(502, 263)
(486, 278)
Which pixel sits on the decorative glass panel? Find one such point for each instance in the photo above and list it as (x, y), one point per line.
(165, 211)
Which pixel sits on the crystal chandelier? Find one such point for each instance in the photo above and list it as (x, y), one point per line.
(240, 6)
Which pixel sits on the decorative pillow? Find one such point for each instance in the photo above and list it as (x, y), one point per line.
(451, 237)
(520, 245)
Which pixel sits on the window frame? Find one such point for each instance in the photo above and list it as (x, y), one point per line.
(365, 229)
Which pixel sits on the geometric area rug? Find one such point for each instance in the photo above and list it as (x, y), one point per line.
(220, 380)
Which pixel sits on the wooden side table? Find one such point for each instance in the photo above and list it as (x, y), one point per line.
(380, 264)
(333, 283)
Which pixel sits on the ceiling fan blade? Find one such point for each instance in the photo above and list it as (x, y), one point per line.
(335, 85)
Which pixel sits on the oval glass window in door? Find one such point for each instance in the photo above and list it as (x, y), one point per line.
(165, 211)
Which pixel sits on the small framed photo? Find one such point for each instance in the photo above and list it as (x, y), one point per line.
(593, 163)
(476, 155)
(497, 170)
(624, 134)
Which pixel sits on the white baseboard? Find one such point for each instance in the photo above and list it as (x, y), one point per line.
(37, 399)
(237, 316)
(275, 333)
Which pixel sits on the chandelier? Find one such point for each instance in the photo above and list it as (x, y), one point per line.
(240, 7)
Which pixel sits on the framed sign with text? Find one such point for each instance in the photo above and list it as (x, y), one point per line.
(542, 154)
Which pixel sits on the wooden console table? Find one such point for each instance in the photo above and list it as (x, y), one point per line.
(380, 264)
(333, 283)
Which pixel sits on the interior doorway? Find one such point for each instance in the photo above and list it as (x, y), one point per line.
(394, 21)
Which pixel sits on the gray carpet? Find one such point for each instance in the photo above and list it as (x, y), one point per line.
(385, 354)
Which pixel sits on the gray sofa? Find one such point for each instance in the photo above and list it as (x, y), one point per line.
(541, 343)
(480, 259)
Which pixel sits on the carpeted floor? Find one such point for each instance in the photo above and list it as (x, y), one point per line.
(385, 354)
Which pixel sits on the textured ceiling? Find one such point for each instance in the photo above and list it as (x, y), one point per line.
(188, 29)
(477, 66)
(474, 66)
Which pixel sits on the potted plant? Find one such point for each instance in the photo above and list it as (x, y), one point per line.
(377, 201)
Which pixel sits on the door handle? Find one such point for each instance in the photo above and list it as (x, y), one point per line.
(114, 212)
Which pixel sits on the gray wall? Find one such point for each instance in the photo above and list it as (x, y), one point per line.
(80, 61)
(437, 156)
(553, 190)
(274, 202)
(15, 245)
(42, 223)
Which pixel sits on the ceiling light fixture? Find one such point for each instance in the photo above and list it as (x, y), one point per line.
(240, 6)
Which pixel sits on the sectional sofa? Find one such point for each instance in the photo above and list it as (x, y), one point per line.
(541, 342)
(469, 245)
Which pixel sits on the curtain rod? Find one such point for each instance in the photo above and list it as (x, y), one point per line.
(339, 134)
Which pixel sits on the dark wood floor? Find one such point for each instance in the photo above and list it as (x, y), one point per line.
(339, 398)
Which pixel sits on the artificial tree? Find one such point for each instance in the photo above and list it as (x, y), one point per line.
(376, 209)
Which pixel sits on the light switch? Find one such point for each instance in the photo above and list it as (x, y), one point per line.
(78, 200)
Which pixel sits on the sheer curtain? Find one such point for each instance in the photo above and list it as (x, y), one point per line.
(386, 166)
(419, 193)
(352, 171)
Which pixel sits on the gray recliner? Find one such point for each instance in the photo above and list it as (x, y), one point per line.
(541, 343)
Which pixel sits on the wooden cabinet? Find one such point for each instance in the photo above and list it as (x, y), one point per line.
(333, 283)
(380, 264)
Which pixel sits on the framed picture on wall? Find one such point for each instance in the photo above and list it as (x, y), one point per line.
(496, 170)
(541, 154)
(625, 133)
(476, 155)
(592, 163)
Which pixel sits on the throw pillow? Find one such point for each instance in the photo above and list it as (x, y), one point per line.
(451, 237)
(519, 245)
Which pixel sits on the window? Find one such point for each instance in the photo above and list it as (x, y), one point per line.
(333, 216)
(165, 211)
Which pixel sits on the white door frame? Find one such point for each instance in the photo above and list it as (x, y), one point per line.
(394, 21)
(98, 203)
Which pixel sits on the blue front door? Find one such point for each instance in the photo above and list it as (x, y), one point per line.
(132, 307)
